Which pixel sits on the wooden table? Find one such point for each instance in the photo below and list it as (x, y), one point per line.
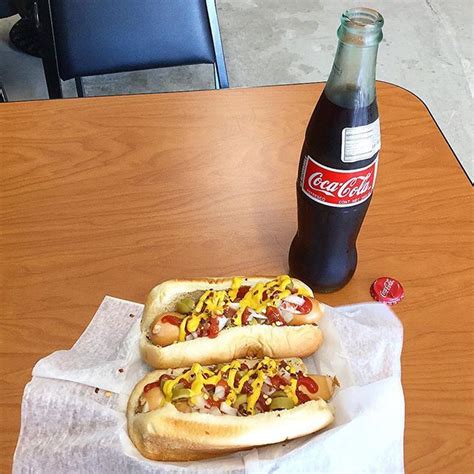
(113, 195)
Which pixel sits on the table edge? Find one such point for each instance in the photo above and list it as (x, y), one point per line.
(437, 126)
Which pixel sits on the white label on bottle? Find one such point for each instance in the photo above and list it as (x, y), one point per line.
(360, 143)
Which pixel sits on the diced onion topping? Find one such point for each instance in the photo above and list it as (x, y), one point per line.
(287, 315)
(222, 322)
(219, 392)
(267, 389)
(215, 411)
(227, 409)
(257, 315)
(257, 299)
(294, 299)
(236, 388)
(199, 402)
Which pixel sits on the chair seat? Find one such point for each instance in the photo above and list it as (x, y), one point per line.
(125, 35)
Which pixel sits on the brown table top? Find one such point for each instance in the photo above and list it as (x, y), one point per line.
(112, 195)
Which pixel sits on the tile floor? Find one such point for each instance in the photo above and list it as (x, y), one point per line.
(427, 48)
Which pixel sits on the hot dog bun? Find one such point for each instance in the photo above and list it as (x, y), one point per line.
(167, 434)
(231, 343)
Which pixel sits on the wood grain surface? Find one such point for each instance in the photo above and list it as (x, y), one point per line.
(112, 195)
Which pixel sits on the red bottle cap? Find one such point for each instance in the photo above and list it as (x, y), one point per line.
(387, 290)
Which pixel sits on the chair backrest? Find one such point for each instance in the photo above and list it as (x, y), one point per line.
(91, 37)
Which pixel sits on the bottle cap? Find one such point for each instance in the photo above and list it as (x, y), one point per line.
(387, 290)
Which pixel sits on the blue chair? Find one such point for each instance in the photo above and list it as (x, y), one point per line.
(91, 37)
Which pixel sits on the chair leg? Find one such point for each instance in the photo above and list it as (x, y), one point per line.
(3, 94)
(217, 82)
(79, 86)
(48, 50)
(220, 70)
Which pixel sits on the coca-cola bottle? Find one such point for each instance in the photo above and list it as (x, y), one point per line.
(339, 159)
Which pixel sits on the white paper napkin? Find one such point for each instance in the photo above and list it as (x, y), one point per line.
(73, 410)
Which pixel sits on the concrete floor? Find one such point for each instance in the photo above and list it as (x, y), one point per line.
(427, 48)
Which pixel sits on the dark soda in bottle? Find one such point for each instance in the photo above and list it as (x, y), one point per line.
(339, 159)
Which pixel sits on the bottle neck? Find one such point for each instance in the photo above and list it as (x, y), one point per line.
(351, 83)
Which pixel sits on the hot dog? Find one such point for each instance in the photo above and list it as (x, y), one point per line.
(200, 412)
(220, 319)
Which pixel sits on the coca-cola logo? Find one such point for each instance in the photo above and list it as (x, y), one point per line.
(355, 186)
(337, 187)
(387, 286)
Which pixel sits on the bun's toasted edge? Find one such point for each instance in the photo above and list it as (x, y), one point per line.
(163, 296)
(235, 343)
(169, 435)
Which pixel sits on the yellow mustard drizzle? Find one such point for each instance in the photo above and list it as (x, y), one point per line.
(197, 370)
(255, 395)
(193, 322)
(265, 368)
(201, 301)
(254, 299)
(290, 390)
(236, 284)
(182, 328)
(215, 301)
